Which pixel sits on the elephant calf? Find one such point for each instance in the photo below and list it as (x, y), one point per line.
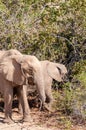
(50, 71)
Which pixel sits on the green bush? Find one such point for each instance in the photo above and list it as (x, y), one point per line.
(53, 30)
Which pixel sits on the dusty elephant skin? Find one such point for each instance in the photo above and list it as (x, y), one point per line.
(50, 71)
(15, 69)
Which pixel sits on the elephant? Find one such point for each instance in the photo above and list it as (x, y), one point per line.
(15, 71)
(6, 53)
(50, 71)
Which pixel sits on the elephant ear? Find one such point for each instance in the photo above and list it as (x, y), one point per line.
(10, 68)
(54, 71)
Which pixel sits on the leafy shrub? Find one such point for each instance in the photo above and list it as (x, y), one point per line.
(53, 30)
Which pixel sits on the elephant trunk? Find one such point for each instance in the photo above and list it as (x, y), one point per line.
(39, 81)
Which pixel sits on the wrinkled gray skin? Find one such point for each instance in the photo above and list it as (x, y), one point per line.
(15, 70)
(50, 71)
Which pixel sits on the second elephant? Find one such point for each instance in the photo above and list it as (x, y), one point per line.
(50, 71)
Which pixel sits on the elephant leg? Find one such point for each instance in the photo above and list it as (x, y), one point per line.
(8, 97)
(22, 95)
(49, 97)
(18, 94)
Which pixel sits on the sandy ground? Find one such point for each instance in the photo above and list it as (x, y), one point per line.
(41, 121)
(36, 124)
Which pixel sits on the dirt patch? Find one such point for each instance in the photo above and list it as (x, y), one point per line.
(36, 124)
(42, 120)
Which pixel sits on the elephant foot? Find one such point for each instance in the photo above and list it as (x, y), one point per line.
(8, 121)
(27, 119)
(48, 107)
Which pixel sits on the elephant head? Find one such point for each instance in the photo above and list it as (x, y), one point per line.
(54, 70)
(19, 69)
